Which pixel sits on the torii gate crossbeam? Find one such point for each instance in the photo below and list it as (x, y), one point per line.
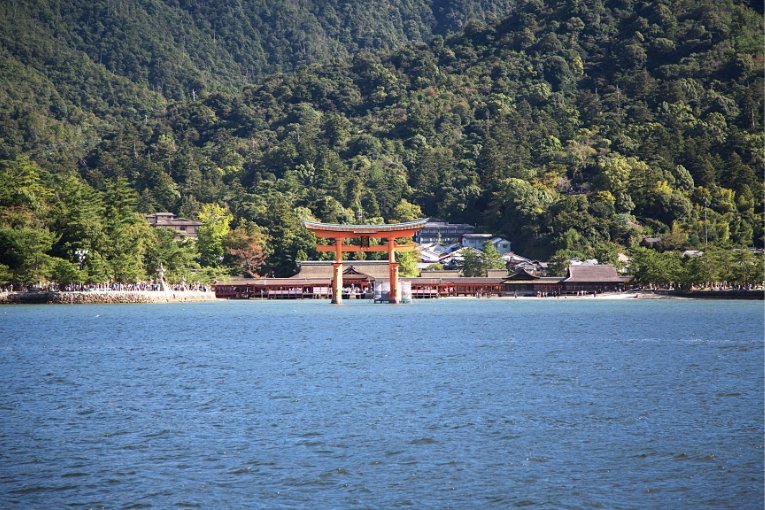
(339, 233)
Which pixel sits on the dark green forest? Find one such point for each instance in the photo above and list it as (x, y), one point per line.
(73, 69)
(572, 128)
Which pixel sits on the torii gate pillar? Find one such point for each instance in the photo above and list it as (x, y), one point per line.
(394, 293)
(339, 233)
(337, 283)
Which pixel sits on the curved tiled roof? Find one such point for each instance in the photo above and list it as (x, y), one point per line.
(604, 273)
(377, 269)
(364, 229)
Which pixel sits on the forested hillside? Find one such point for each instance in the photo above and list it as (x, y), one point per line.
(571, 128)
(74, 68)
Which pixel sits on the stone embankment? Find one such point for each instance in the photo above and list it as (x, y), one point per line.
(106, 297)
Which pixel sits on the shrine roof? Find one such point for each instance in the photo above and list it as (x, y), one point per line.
(365, 229)
(473, 280)
(259, 282)
(603, 273)
(376, 269)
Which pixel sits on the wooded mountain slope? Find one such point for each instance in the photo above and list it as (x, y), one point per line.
(572, 128)
(73, 67)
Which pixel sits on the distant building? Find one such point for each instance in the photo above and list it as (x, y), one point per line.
(589, 279)
(361, 276)
(502, 245)
(442, 273)
(443, 243)
(475, 241)
(183, 228)
(438, 231)
(516, 262)
(478, 242)
(651, 242)
(525, 283)
(593, 278)
(454, 258)
(313, 281)
(429, 256)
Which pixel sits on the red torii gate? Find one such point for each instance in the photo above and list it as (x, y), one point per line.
(339, 233)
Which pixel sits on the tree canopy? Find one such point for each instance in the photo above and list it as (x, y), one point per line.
(575, 127)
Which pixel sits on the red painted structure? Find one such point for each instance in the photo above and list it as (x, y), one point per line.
(341, 235)
(315, 281)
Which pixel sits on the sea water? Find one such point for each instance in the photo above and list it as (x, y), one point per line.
(452, 403)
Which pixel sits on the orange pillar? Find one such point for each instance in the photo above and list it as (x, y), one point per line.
(393, 294)
(337, 273)
(337, 283)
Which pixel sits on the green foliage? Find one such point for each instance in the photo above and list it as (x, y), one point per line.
(471, 263)
(478, 263)
(246, 246)
(216, 224)
(6, 275)
(210, 275)
(177, 257)
(65, 272)
(406, 211)
(57, 228)
(560, 261)
(578, 128)
(614, 177)
(491, 258)
(407, 264)
(651, 267)
(25, 251)
(127, 233)
(714, 266)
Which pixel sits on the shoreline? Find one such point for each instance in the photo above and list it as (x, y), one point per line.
(106, 297)
(587, 297)
(643, 295)
(627, 295)
(190, 296)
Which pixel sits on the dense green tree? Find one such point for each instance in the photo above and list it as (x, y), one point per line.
(746, 268)
(216, 225)
(78, 217)
(25, 237)
(406, 211)
(66, 273)
(491, 258)
(471, 263)
(407, 264)
(175, 258)
(25, 251)
(24, 198)
(6, 275)
(246, 246)
(561, 260)
(614, 176)
(515, 209)
(127, 232)
(572, 126)
(289, 241)
(651, 267)
(478, 263)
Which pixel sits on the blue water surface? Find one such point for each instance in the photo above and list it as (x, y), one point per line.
(455, 403)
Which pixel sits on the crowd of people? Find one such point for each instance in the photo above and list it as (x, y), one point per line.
(110, 287)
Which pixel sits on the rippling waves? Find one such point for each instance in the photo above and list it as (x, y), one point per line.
(446, 404)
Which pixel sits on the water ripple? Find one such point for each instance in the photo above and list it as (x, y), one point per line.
(448, 404)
